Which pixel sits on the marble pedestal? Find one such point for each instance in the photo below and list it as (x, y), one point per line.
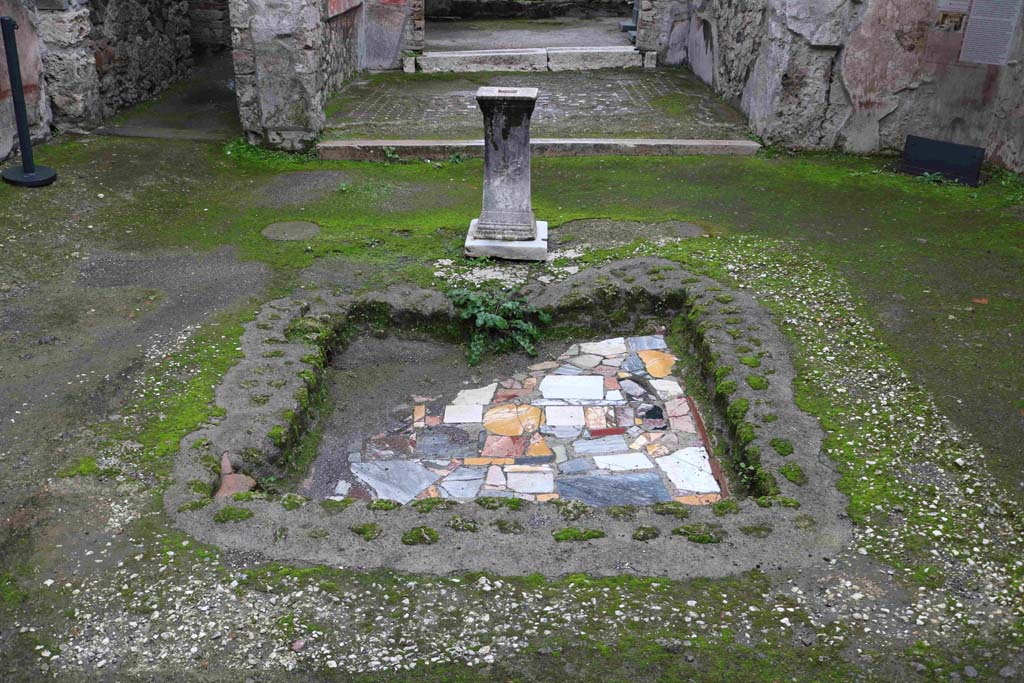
(507, 227)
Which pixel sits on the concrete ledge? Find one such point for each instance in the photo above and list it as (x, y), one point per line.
(583, 58)
(535, 59)
(534, 250)
(374, 150)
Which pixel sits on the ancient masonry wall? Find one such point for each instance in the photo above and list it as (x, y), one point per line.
(210, 25)
(83, 61)
(858, 75)
(531, 9)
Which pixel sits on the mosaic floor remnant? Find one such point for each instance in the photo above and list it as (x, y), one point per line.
(606, 424)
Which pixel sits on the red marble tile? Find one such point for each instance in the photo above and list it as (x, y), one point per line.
(610, 431)
(504, 446)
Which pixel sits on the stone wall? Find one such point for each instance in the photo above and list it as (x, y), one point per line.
(854, 74)
(210, 25)
(33, 84)
(290, 56)
(530, 9)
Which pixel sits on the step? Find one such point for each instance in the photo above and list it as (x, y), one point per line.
(440, 150)
(533, 59)
(583, 58)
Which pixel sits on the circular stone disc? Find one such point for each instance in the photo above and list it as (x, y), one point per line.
(291, 231)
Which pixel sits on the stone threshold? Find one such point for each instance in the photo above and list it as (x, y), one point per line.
(382, 150)
(161, 133)
(532, 59)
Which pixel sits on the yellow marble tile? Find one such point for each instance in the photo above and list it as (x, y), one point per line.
(538, 446)
(700, 499)
(489, 461)
(545, 497)
(513, 420)
(658, 363)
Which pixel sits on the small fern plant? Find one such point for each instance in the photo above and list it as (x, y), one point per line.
(498, 324)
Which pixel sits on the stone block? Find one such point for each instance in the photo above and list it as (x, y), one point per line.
(650, 60)
(533, 250)
(534, 59)
(409, 65)
(581, 58)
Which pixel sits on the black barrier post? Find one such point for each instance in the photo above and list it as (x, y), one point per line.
(29, 175)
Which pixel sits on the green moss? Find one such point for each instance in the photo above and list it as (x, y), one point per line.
(646, 533)
(757, 383)
(509, 526)
(571, 510)
(459, 523)
(751, 361)
(425, 505)
(700, 533)
(724, 507)
(493, 503)
(87, 467)
(331, 505)
(737, 410)
(192, 505)
(293, 501)
(277, 435)
(243, 496)
(726, 389)
(789, 502)
(804, 522)
(793, 473)
(672, 509)
(572, 534)
(367, 531)
(745, 433)
(198, 486)
(721, 373)
(319, 533)
(783, 447)
(769, 418)
(623, 512)
(757, 530)
(420, 535)
(383, 504)
(231, 514)
(724, 298)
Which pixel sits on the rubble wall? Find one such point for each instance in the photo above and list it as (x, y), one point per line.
(847, 74)
(33, 83)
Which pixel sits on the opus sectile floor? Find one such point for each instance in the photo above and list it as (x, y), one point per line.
(605, 424)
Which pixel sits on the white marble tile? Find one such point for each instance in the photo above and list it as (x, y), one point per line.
(470, 397)
(689, 470)
(463, 414)
(666, 388)
(626, 462)
(564, 416)
(608, 347)
(579, 387)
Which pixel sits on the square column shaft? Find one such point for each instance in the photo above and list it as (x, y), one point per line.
(507, 210)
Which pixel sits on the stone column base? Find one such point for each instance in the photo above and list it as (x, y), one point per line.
(534, 250)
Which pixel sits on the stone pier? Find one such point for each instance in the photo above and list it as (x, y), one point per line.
(507, 227)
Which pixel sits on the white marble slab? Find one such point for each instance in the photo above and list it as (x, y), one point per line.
(575, 387)
(690, 470)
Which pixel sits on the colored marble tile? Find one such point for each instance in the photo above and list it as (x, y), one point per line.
(644, 343)
(607, 347)
(433, 420)
(595, 418)
(398, 480)
(508, 395)
(342, 488)
(586, 361)
(634, 364)
(666, 388)
(581, 387)
(683, 423)
(611, 384)
(546, 365)
(564, 416)
(609, 445)
(624, 416)
(536, 460)
(546, 497)
(463, 414)
(532, 480)
(602, 490)
(576, 466)
(656, 450)
(513, 420)
(568, 370)
(646, 439)
(626, 462)
(472, 397)
(614, 397)
(658, 363)
(388, 447)
(559, 451)
(561, 432)
(605, 371)
(495, 477)
(419, 415)
(689, 470)
(461, 489)
(607, 431)
(496, 446)
(488, 461)
(444, 442)
(631, 388)
(530, 383)
(698, 499)
(538, 447)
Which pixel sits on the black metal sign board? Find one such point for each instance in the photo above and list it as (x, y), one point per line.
(961, 163)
